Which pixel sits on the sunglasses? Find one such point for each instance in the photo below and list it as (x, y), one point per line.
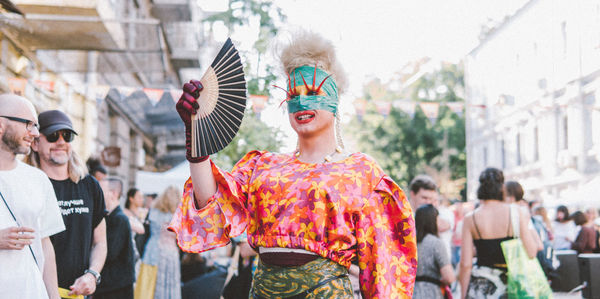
(28, 124)
(67, 136)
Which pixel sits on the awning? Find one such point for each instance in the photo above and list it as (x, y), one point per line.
(157, 182)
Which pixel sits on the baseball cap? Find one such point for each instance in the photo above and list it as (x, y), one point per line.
(54, 120)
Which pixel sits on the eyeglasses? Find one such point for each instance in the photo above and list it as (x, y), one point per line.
(28, 123)
(67, 136)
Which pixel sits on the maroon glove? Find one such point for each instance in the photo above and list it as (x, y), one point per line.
(186, 106)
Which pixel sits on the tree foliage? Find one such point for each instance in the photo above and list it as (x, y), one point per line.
(239, 13)
(253, 134)
(406, 145)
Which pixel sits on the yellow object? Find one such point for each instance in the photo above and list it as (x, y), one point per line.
(146, 282)
(64, 293)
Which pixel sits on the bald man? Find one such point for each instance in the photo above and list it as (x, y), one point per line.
(29, 212)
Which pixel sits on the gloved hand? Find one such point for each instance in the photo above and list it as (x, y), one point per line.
(186, 107)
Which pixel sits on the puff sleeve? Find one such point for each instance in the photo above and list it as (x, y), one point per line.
(225, 214)
(387, 246)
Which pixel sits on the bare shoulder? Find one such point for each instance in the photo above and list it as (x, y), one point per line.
(468, 220)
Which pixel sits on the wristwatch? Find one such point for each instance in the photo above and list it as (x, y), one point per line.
(96, 275)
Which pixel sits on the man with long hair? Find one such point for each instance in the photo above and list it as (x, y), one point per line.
(29, 214)
(79, 261)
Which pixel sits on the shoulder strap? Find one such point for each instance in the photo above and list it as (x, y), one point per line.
(17, 222)
(514, 220)
(509, 225)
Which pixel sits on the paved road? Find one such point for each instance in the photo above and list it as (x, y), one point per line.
(567, 296)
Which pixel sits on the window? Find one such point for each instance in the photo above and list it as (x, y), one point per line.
(518, 149)
(502, 154)
(485, 156)
(563, 29)
(565, 132)
(536, 144)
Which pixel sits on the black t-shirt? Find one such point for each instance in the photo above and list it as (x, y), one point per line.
(82, 207)
(119, 268)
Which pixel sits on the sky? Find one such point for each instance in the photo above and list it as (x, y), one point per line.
(375, 39)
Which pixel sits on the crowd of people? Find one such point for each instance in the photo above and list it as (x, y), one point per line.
(479, 228)
(63, 230)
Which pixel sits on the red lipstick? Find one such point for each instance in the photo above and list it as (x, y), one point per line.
(304, 117)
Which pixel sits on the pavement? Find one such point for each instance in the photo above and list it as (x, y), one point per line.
(557, 295)
(574, 295)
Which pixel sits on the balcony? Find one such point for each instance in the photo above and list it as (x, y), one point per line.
(52, 24)
(183, 40)
(62, 33)
(172, 10)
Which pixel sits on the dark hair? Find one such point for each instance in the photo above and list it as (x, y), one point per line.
(532, 202)
(579, 218)
(426, 221)
(565, 212)
(422, 182)
(514, 189)
(131, 193)
(94, 165)
(491, 184)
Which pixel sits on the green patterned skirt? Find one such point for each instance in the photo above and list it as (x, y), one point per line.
(330, 278)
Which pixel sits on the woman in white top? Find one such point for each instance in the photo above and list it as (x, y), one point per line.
(565, 230)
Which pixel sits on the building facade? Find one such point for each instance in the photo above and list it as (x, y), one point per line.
(533, 102)
(124, 46)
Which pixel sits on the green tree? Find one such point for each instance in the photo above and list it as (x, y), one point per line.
(239, 13)
(253, 134)
(406, 145)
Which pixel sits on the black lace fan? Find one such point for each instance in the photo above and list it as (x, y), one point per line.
(222, 103)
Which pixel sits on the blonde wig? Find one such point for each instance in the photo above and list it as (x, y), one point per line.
(76, 168)
(309, 48)
(167, 202)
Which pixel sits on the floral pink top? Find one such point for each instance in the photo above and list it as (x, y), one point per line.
(340, 210)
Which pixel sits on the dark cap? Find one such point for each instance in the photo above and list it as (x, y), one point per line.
(54, 120)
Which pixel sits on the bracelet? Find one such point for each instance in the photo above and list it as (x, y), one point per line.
(96, 275)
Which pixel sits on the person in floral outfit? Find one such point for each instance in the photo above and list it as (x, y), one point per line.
(309, 213)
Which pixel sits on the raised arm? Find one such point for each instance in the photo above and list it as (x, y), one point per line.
(203, 180)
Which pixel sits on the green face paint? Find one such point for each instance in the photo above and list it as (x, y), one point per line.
(328, 102)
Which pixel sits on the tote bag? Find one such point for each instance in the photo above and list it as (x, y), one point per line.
(146, 282)
(526, 278)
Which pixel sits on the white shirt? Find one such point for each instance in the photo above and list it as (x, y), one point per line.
(30, 196)
(564, 234)
(446, 236)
